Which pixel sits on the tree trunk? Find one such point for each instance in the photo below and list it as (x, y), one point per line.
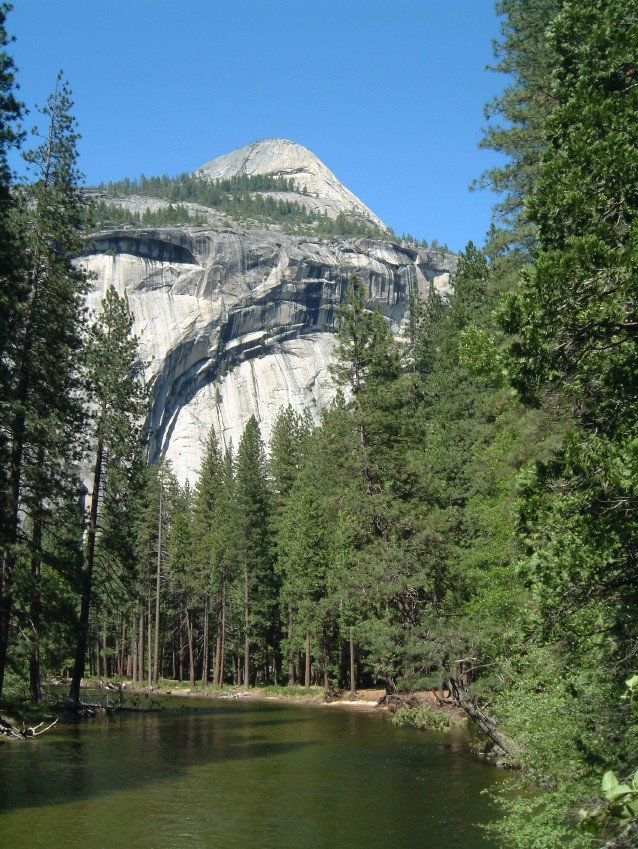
(291, 664)
(485, 723)
(222, 648)
(180, 645)
(134, 647)
(87, 578)
(149, 644)
(120, 664)
(246, 634)
(35, 605)
(157, 592)
(205, 644)
(116, 666)
(218, 645)
(174, 656)
(140, 650)
(326, 658)
(353, 680)
(191, 654)
(307, 670)
(104, 648)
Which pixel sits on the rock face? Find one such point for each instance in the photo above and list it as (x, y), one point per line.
(284, 158)
(235, 322)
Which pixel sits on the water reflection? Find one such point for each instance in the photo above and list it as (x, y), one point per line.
(276, 776)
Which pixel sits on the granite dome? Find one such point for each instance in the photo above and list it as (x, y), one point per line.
(285, 158)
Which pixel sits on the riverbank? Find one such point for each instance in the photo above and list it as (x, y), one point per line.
(370, 699)
(109, 694)
(316, 696)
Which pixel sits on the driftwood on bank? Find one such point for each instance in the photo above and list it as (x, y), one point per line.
(484, 722)
(331, 695)
(395, 701)
(7, 729)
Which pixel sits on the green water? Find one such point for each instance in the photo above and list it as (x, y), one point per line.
(242, 775)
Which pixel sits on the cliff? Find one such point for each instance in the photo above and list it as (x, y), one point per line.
(235, 321)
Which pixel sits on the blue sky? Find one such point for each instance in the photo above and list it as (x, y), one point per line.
(388, 93)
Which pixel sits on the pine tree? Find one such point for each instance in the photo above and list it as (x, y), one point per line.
(208, 493)
(526, 101)
(45, 408)
(11, 284)
(227, 555)
(289, 441)
(185, 577)
(118, 399)
(253, 504)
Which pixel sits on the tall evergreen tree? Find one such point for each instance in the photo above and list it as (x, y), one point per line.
(45, 400)
(289, 441)
(522, 54)
(11, 284)
(206, 530)
(253, 503)
(186, 578)
(118, 399)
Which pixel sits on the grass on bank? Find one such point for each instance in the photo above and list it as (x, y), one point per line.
(426, 718)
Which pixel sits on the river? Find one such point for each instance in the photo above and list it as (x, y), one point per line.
(243, 775)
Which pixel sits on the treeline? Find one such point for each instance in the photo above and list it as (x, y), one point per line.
(242, 196)
(196, 189)
(105, 214)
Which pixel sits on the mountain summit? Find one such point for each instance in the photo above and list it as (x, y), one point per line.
(317, 188)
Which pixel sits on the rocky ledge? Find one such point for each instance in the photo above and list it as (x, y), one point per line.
(234, 323)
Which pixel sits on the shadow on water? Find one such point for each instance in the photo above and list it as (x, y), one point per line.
(83, 759)
(242, 774)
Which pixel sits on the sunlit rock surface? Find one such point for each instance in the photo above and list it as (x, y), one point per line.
(234, 323)
(236, 319)
(322, 191)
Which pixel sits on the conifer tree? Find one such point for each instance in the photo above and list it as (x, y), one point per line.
(206, 528)
(118, 399)
(253, 504)
(523, 55)
(289, 441)
(11, 283)
(227, 555)
(45, 409)
(185, 577)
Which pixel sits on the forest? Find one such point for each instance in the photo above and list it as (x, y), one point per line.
(465, 514)
(243, 197)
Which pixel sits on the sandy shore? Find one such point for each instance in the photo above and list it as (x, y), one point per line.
(365, 700)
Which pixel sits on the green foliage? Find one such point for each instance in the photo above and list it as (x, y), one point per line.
(424, 718)
(524, 57)
(104, 214)
(43, 408)
(259, 197)
(10, 292)
(572, 348)
(617, 815)
(457, 532)
(291, 691)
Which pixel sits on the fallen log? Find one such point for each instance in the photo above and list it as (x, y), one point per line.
(33, 732)
(7, 729)
(486, 724)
